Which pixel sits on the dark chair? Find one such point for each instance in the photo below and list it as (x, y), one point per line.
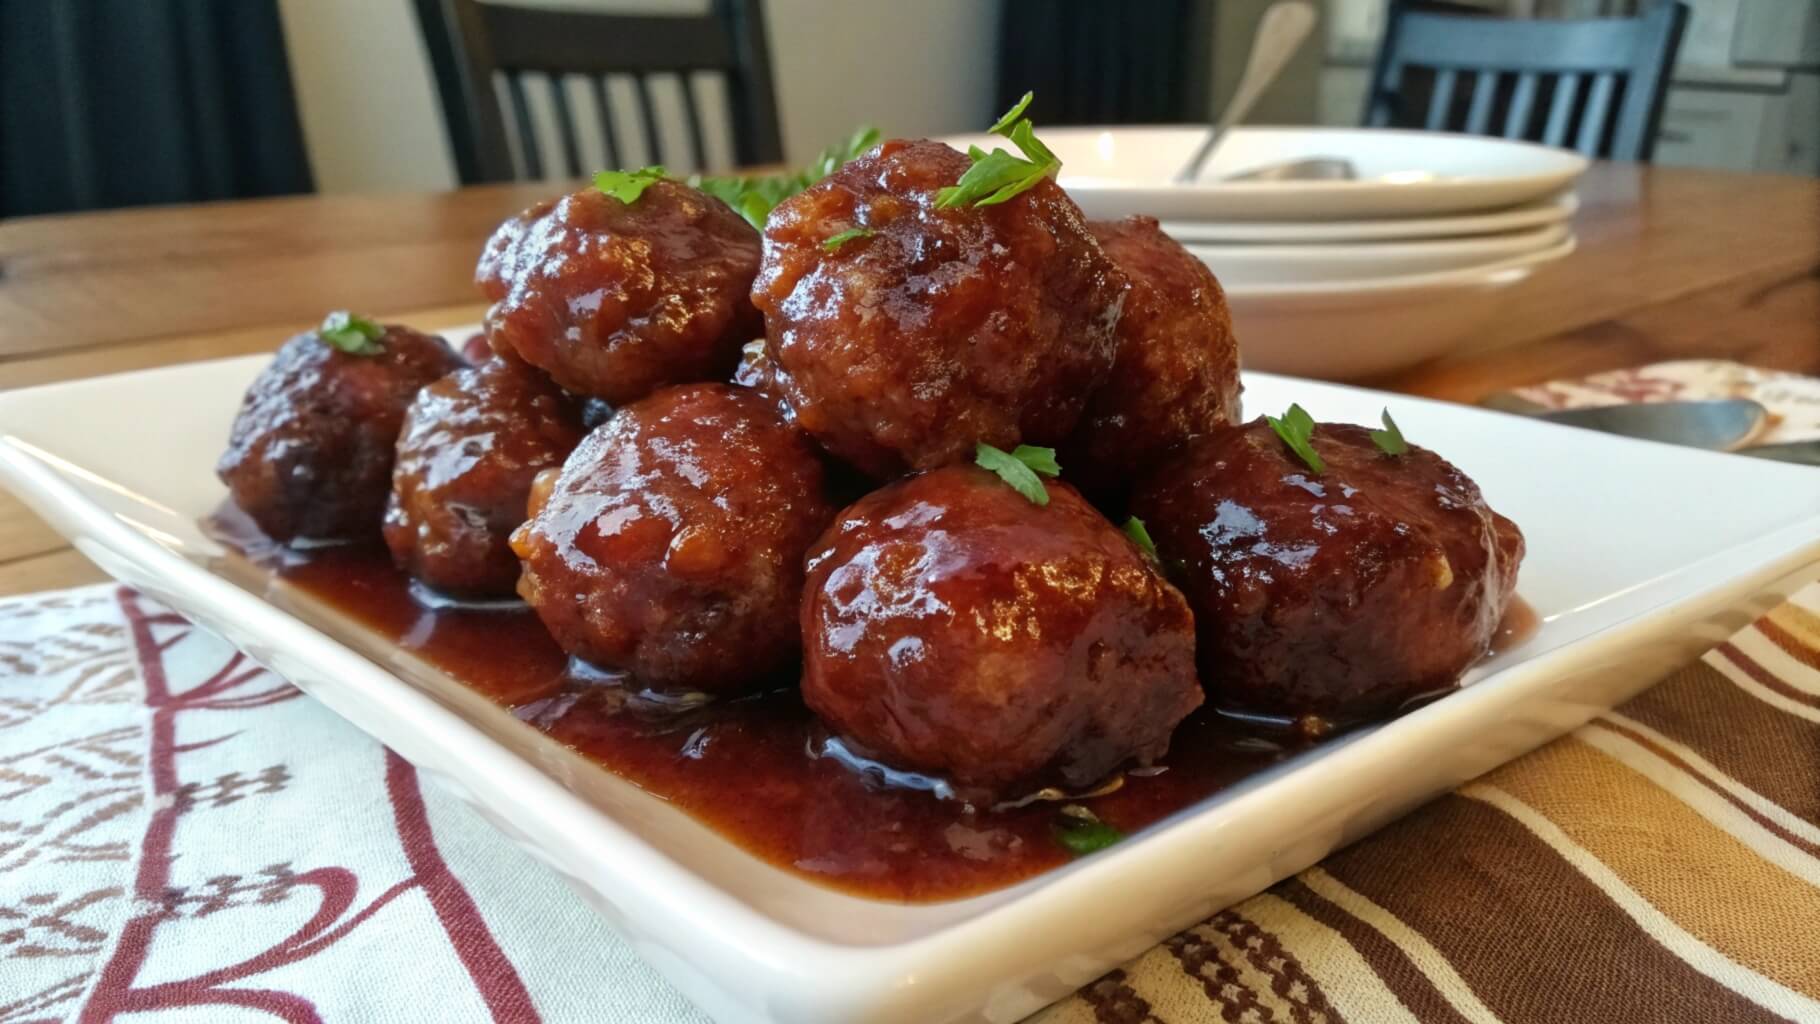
(1596, 85)
(472, 44)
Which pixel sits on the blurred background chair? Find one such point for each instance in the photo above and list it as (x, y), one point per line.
(488, 58)
(1596, 85)
(107, 103)
(1091, 62)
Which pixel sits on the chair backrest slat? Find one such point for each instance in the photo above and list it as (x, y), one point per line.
(565, 126)
(692, 114)
(1593, 115)
(1484, 88)
(1441, 100)
(472, 42)
(647, 119)
(1606, 77)
(1561, 109)
(1522, 102)
(604, 105)
(527, 128)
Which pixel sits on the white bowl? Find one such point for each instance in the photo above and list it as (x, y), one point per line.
(1553, 210)
(1344, 330)
(1242, 265)
(1112, 172)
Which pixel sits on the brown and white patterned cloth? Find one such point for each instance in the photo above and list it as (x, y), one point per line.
(183, 839)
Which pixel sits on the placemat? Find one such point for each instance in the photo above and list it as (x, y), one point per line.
(184, 838)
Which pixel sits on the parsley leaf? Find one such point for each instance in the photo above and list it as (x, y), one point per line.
(1017, 110)
(836, 241)
(627, 186)
(999, 175)
(754, 198)
(1081, 832)
(355, 335)
(1134, 528)
(1390, 439)
(1296, 428)
(1019, 468)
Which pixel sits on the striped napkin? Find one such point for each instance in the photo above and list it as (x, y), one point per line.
(1660, 864)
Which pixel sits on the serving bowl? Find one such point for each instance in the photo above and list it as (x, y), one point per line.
(1114, 172)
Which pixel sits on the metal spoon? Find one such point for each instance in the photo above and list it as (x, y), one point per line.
(1721, 424)
(1280, 33)
(1312, 168)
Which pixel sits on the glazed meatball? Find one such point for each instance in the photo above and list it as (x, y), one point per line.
(471, 445)
(310, 453)
(1177, 373)
(672, 544)
(616, 299)
(942, 328)
(951, 626)
(757, 373)
(1332, 597)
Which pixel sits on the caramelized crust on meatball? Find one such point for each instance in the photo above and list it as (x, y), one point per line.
(1339, 595)
(942, 328)
(952, 626)
(310, 454)
(1177, 373)
(471, 445)
(615, 299)
(672, 544)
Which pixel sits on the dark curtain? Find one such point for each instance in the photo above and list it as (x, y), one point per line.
(107, 103)
(1104, 62)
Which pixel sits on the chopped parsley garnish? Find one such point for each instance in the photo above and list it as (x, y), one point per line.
(1019, 468)
(1081, 832)
(754, 198)
(627, 186)
(1134, 528)
(355, 335)
(1296, 428)
(836, 241)
(999, 175)
(1390, 439)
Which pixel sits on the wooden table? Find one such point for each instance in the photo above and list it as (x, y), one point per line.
(1672, 263)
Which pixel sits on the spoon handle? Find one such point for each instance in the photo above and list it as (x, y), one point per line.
(1280, 33)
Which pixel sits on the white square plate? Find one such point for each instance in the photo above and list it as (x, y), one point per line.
(1640, 556)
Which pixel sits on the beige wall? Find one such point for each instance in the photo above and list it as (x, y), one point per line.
(372, 122)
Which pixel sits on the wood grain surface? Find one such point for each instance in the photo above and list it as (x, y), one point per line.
(1673, 263)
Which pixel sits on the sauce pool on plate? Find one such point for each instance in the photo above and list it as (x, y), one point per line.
(756, 769)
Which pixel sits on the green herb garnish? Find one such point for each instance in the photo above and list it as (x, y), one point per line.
(1390, 439)
(627, 186)
(1082, 832)
(1296, 428)
(1134, 528)
(1019, 468)
(355, 335)
(836, 241)
(754, 198)
(999, 175)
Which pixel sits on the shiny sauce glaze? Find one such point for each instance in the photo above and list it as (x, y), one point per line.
(754, 769)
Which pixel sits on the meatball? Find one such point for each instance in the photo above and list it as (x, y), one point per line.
(1336, 596)
(941, 328)
(756, 372)
(310, 453)
(671, 546)
(953, 627)
(616, 299)
(472, 443)
(1177, 373)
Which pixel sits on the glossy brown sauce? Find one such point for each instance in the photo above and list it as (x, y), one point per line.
(745, 767)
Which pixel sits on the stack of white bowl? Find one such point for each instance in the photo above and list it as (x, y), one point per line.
(1403, 262)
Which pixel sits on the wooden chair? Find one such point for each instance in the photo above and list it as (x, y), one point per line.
(472, 44)
(1596, 85)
